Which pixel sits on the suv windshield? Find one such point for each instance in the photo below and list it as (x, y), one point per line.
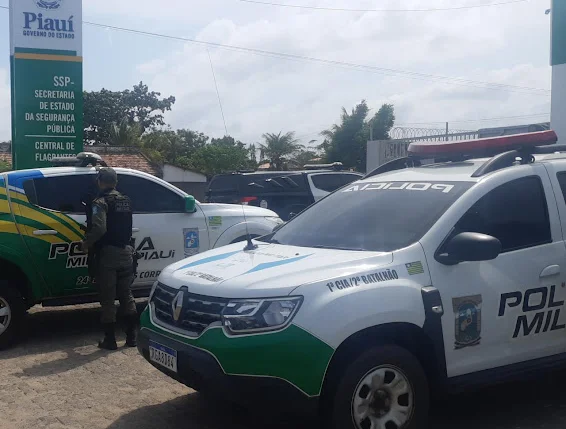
(371, 216)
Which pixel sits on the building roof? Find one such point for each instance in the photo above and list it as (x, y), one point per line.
(126, 157)
(121, 157)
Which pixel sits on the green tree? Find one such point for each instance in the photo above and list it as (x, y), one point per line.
(5, 166)
(382, 122)
(303, 157)
(125, 133)
(346, 142)
(141, 106)
(278, 149)
(169, 146)
(220, 156)
(192, 150)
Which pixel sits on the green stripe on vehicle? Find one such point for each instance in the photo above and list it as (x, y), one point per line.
(38, 225)
(67, 221)
(292, 354)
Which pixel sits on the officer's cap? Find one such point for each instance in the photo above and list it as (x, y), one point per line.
(108, 175)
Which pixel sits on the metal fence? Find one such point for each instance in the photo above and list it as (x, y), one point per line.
(381, 151)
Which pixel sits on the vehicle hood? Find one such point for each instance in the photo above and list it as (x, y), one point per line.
(268, 271)
(212, 209)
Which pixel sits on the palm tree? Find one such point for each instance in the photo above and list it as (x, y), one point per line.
(125, 134)
(279, 148)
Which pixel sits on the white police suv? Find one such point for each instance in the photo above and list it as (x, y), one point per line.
(42, 217)
(445, 269)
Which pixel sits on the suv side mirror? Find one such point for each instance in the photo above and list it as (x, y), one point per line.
(469, 247)
(190, 204)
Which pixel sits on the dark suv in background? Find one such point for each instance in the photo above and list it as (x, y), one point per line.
(285, 192)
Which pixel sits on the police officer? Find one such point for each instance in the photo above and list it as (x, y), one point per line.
(109, 238)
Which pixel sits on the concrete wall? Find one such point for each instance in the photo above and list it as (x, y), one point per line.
(558, 115)
(174, 174)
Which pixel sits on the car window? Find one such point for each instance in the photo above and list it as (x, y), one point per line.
(61, 193)
(224, 183)
(371, 215)
(329, 182)
(515, 213)
(349, 178)
(148, 196)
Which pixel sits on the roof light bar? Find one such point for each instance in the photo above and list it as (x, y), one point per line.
(482, 147)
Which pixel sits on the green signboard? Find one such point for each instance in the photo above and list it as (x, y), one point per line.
(558, 48)
(47, 105)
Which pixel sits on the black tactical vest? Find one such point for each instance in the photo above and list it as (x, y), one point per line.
(118, 220)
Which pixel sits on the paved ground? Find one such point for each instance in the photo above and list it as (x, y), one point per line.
(58, 379)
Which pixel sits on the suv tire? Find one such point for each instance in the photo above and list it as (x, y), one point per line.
(12, 313)
(386, 384)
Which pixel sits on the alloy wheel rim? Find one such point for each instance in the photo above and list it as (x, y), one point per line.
(5, 315)
(383, 399)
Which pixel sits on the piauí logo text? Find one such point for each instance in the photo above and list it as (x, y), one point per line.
(48, 4)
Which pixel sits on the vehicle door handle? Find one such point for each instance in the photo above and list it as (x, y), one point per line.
(135, 230)
(45, 232)
(551, 270)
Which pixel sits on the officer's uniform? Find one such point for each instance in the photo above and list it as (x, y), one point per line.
(110, 236)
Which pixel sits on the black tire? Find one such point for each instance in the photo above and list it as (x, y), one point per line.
(11, 298)
(390, 356)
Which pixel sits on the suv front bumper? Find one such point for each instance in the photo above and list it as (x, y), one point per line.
(200, 370)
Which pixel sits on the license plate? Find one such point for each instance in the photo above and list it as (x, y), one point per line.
(162, 355)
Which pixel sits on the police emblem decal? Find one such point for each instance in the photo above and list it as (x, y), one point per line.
(48, 4)
(191, 241)
(177, 305)
(467, 315)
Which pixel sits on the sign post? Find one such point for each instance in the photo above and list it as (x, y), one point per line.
(47, 80)
(558, 62)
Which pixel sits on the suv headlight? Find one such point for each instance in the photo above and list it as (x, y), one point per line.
(259, 315)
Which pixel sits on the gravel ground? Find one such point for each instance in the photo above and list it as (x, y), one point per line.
(56, 378)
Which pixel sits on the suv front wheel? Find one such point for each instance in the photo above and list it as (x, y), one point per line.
(384, 388)
(12, 312)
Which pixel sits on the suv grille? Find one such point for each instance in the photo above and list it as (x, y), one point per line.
(197, 313)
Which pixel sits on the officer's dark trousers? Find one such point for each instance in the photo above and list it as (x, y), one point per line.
(115, 275)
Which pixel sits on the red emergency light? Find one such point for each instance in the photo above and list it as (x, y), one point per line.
(482, 147)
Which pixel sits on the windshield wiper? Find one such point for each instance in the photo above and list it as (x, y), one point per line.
(338, 248)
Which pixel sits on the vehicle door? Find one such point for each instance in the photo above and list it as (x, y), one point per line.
(163, 231)
(557, 173)
(50, 214)
(510, 309)
(322, 184)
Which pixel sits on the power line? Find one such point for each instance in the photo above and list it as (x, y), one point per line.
(375, 69)
(217, 92)
(335, 9)
(372, 69)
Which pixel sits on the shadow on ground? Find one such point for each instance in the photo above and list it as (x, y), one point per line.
(536, 404)
(539, 404)
(199, 411)
(60, 329)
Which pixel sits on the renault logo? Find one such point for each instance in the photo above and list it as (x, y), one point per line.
(177, 306)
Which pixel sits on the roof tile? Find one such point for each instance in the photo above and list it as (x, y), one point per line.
(120, 157)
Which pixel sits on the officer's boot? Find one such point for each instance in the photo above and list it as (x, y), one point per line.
(131, 330)
(109, 341)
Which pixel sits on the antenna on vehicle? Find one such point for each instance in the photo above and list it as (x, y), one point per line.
(250, 245)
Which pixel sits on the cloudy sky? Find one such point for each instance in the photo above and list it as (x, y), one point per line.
(506, 44)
